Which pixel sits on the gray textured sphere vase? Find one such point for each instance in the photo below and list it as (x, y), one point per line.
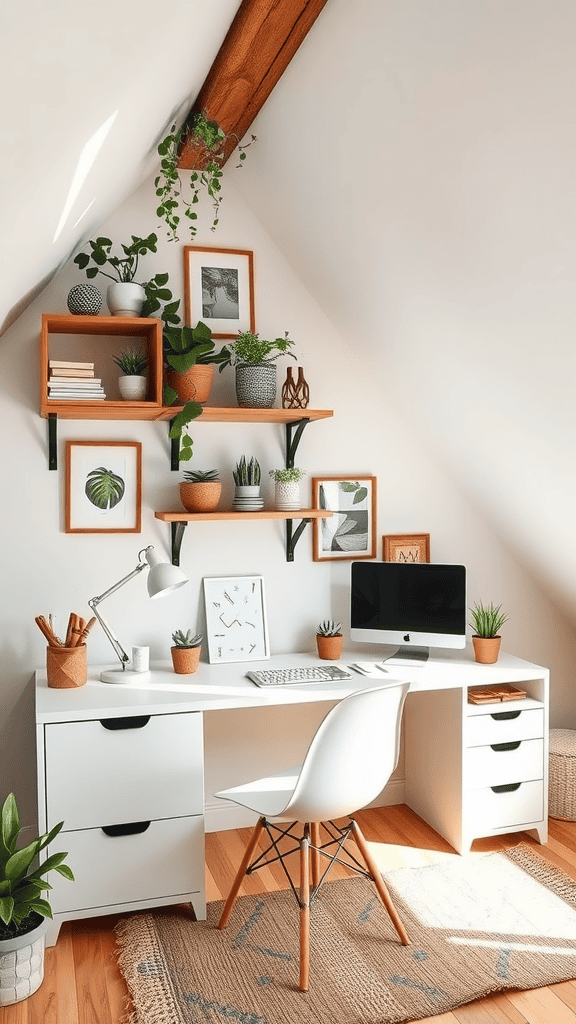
(84, 299)
(256, 385)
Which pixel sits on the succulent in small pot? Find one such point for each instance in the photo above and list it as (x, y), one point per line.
(133, 363)
(186, 651)
(487, 621)
(24, 914)
(329, 639)
(287, 487)
(200, 490)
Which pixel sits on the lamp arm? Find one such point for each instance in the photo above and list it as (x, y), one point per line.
(95, 601)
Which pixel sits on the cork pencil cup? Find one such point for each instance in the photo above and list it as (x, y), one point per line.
(66, 666)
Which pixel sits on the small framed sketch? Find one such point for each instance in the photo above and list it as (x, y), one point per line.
(103, 486)
(351, 531)
(219, 289)
(236, 624)
(406, 547)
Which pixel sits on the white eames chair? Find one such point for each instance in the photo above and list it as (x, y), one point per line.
(349, 761)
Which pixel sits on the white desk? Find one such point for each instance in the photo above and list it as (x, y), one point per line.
(468, 774)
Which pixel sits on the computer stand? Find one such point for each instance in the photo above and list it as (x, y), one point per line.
(408, 655)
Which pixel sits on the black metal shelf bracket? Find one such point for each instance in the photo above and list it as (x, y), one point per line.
(52, 440)
(174, 451)
(177, 531)
(293, 442)
(293, 536)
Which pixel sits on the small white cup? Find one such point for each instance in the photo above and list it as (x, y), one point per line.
(140, 659)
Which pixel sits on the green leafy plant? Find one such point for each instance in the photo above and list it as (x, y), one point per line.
(187, 639)
(124, 268)
(132, 362)
(289, 475)
(328, 627)
(487, 620)
(21, 883)
(201, 476)
(247, 474)
(185, 347)
(104, 488)
(209, 141)
(251, 348)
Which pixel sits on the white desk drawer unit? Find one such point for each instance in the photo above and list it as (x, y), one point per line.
(130, 791)
(505, 766)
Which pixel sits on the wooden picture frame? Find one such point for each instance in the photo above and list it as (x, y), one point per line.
(350, 533)
(219, 289)
(406, 547)
(236, 623)
(103, 488)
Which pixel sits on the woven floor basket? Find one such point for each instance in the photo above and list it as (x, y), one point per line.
(562, 782)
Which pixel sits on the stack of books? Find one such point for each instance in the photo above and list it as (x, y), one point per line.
(73, 381)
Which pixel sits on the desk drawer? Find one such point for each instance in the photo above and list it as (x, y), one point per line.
(164, 860)
(488, 809)
(132, 769)
(515, 761)
(490, 728)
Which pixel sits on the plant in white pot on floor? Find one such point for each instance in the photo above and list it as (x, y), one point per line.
(247, 477)
(287, 488)
(24, 913)
(133, 383)
(254, 359)
(186, 651)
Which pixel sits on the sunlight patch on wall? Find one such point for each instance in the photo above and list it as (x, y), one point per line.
(83, 167)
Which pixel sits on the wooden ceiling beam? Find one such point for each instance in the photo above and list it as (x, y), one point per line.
(258, 47)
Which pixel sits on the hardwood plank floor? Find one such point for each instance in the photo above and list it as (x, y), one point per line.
(83, 985)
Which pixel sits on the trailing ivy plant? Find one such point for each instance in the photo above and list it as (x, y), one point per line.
(210, 139)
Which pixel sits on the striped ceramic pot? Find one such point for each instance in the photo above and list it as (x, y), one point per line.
(256, 385)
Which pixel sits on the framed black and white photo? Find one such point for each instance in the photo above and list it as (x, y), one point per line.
(351, 531)
(219, 289)
(236, 624)
(103, 486)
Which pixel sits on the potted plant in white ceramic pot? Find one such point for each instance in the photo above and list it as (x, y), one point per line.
(287, 487)
(254, 359)
(186, 651)
(200, 490)
(125, 297)
(247, 477)
(487, 621)
(24, 913)
(133, 383)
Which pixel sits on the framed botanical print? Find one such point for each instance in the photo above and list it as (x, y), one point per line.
(236, 623)
(350, 533)
(406, 547)
(219, 289)
(103, 490)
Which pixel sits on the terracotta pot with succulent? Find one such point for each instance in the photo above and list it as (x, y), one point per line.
(125, 297)
(254, 360)
(329, 640)
(287, 487)
(211, 145)
(247, 477)
(200, 490)
(24, 914)
(186, 652)
(133, 383)
(487, 621)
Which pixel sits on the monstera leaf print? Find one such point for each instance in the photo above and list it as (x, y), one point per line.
(104, 488)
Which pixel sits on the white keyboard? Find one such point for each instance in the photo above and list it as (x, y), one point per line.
(285, 676)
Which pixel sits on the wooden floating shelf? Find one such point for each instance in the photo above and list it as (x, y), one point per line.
(298, 513)
(122, 410)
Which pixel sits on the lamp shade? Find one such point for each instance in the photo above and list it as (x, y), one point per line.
(163, 577)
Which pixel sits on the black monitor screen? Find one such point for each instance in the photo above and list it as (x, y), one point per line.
(420, 598)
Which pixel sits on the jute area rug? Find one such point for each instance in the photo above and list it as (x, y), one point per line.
(477, 924)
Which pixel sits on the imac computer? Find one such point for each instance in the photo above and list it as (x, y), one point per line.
(412, 605)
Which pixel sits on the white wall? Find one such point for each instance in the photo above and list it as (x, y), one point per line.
(45, 570)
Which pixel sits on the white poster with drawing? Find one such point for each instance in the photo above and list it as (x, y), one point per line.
(236, 625)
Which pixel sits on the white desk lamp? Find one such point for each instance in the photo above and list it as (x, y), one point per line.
(162, 579)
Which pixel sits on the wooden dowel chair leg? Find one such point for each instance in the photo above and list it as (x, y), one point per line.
(229, 905)
(379, 883)
(314, 856)
(304, 912)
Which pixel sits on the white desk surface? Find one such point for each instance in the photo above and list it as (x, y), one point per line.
(220, 687)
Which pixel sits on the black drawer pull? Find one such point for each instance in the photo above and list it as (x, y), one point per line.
(505, 716)
(510, 787)
(512, 745)
(133, 722)
(132, 828)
